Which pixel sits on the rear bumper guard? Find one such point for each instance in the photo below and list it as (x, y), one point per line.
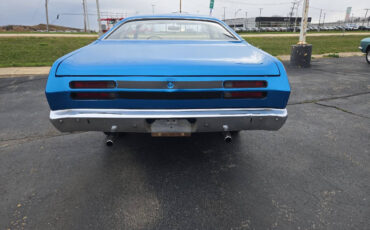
(140, 121)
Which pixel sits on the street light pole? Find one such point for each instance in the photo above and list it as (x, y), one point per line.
(319, 20)
(301, 53)
(180, 6)
(302, 37)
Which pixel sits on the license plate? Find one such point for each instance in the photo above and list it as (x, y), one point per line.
(171, 127)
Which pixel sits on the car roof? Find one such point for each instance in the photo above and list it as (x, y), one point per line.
(171, 16)
(174, 15)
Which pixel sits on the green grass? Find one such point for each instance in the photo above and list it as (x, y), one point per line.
(321, 45)
(37, 32)
(43, 51)
(333, 55)
(37, 51)
(310, 32)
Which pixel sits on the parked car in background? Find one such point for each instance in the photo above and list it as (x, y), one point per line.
(365, 48)
(168, 75)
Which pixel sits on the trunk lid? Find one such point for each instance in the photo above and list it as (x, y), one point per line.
(168, 58)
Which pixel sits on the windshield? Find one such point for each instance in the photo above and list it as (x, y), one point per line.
(171, 29)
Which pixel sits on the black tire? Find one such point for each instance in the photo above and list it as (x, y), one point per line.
(368, 55)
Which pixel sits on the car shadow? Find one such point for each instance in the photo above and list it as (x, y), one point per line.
(194, 181)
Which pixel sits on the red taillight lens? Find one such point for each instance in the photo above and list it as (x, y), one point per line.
(92, 84)
(244, 95)
(92, 96)
(245, 84)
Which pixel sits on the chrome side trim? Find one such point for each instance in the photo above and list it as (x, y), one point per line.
(133, 120)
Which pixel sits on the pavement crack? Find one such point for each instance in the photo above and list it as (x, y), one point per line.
(341, 109)
(328, 98)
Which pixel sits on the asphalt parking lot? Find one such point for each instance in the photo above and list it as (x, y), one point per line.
(312, 174)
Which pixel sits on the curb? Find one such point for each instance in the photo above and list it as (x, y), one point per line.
(22, 71)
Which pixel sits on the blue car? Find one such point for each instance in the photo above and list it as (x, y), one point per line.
(168, 75)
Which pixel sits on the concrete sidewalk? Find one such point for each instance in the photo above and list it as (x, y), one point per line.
(21, 71)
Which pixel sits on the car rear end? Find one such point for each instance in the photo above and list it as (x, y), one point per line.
(168, 88)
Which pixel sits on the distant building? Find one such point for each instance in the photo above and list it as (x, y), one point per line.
(244, 23)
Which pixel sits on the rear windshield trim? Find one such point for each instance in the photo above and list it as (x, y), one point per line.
(169, 18)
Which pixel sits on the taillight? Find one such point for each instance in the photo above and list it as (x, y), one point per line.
(92, 84)
(245, 84)
(92, 96)
(244, 95)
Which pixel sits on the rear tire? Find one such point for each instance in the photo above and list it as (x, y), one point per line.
(368, 55)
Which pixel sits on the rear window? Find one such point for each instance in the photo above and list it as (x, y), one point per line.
(171, 29)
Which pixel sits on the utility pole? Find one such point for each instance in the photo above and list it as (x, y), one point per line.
(87, 18)
(99, 21)
(246, 20)
(84, 8)
(296, 17)
(47, 15)
(259, 24)
(224, 13)
(180, 6)
(153, 8)
(363, 23)
(236, 12)
(323, 21)
(320, 20)
(291, 14)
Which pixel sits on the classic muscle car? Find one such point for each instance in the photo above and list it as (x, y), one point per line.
(365, 48)
(168, 75)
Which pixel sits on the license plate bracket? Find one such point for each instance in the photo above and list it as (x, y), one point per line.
(171, 127)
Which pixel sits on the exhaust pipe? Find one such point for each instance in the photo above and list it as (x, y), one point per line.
(227, 134)
(110, 140)
(111, 136)
(227, 137)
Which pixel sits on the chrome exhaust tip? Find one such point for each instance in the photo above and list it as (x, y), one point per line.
(109, 142)
(227, 137)
(227, 134)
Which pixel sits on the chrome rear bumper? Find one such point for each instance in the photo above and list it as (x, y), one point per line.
(140, 121)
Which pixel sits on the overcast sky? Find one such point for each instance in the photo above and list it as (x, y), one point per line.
(32, 12)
